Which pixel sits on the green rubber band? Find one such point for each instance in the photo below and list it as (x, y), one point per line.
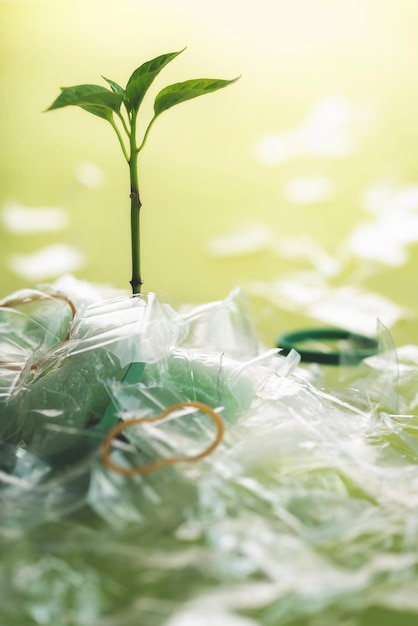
(363, 346)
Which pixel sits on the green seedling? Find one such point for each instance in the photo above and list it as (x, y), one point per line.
(120, 107)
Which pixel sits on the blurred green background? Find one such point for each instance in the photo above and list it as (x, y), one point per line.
(298, 183)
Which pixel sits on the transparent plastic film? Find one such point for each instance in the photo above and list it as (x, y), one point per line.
(302, 513)
(157, 464)
(58, 407)
(32, 321)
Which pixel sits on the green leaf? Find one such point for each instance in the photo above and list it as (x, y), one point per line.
(180, 92)
(143, 76)
(114, 86)
(103, 112)
(90, 97)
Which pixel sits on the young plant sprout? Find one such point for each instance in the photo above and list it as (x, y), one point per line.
(120, 108)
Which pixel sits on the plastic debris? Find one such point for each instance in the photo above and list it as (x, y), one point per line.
(304, 514)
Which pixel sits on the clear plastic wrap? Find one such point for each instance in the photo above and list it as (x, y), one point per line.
(305, 514)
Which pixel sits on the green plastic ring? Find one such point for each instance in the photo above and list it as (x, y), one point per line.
(362, 346)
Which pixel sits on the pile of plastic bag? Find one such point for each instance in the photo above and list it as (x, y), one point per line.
(306, 513)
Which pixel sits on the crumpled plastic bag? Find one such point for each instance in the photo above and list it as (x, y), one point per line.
(305, 514)
(114, 358)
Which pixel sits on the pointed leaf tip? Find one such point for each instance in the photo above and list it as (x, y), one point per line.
(181, 92)
(142, 78)
(114, 86)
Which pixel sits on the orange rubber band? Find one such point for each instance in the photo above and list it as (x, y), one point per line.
(39, 296)
(10, 304)
(151, 467)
